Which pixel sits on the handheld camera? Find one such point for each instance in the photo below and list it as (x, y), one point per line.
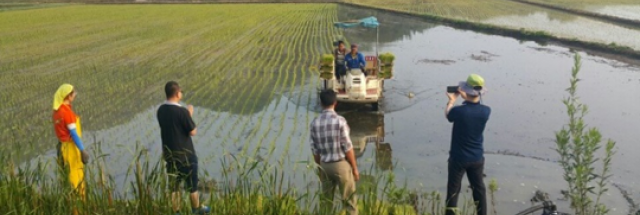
(452, 89)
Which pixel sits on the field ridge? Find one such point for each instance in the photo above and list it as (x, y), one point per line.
(604, 17)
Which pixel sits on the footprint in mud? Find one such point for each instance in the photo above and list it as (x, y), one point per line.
(628, 196)
(432, 61)
(550, 51)
(516, 154)
(484, 56)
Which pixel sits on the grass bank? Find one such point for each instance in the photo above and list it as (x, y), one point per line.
(245, 187)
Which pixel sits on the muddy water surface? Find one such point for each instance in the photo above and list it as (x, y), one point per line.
(526, 84)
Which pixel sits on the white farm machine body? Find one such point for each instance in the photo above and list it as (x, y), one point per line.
(359, 86)
(356, 86)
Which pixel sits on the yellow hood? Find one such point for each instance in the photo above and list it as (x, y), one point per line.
(62, 92)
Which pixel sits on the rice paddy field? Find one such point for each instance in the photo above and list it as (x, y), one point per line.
(249, 71)
(516, 15)
(629, 9)
(119, 56)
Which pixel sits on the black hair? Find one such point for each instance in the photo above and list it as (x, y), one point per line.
(171, 89)
(478, 89)
(70, 93)
(340, 42)
(328, 98)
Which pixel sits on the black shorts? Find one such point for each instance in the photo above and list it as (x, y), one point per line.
(186, 172)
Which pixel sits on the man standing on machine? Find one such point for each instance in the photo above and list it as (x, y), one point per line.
(339, 54)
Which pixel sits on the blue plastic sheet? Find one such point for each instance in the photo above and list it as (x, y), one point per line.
(369, 22)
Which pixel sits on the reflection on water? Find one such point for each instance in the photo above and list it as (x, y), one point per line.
(392, 27)
(367, 130)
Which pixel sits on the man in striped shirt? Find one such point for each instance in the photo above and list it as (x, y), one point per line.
(333, 152)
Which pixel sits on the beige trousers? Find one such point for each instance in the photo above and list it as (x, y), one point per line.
(338, 174)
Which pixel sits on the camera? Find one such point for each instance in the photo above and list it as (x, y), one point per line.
(452, 89)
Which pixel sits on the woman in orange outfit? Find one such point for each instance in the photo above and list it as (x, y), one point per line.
(66, 123)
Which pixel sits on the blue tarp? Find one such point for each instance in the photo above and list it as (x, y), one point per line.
(369, 22)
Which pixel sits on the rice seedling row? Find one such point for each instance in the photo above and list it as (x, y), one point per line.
(225, 119)
(229, 89)
(299, 47)
(325, 25)
(252, 79)
(261, 84)
(288, 61)
(310, 40)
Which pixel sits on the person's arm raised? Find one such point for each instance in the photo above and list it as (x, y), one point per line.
(191, 126)
(452, 100)
(190, 109)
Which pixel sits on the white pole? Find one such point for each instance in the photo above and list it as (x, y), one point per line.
(377, 56)
(377, 37)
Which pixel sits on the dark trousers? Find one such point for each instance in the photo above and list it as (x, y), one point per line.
(341, 71)
(475, 174)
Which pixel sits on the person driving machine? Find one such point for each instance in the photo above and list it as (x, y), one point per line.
(355, 59)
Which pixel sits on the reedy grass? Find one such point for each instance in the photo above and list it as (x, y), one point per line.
(250, 187)
(578, 146)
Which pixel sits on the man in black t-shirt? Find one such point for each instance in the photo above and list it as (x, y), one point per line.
(176, 129)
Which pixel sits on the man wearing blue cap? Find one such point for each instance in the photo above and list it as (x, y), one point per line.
(466, 153)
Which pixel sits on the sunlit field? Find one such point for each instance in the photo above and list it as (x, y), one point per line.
(248, 69)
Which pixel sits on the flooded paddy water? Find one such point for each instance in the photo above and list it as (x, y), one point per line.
(628, 9)
(410, 138)
(515, 15)
(526, 84)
